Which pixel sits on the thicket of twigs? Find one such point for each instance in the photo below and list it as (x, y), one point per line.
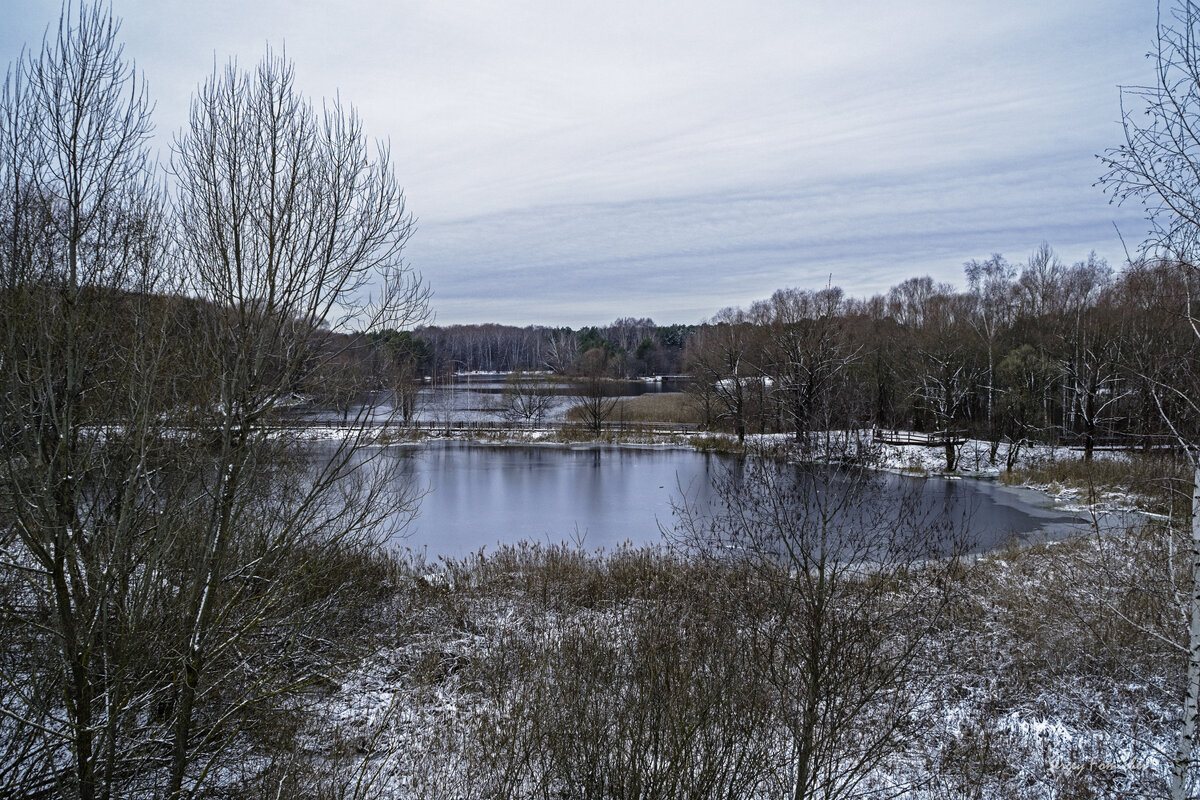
(548, 672)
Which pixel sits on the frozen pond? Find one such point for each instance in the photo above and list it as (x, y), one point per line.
(482, 495)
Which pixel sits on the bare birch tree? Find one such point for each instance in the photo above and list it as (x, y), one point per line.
(990, 283)
(1159, 164)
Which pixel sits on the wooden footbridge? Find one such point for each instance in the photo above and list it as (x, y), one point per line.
(933, 439)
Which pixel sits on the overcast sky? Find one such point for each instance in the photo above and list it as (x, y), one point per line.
(571, 162)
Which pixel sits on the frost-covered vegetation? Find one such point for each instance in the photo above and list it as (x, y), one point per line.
(533, 672)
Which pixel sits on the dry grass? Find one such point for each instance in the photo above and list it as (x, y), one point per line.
(716, 443)
(1157, 483)
(564, 665)
(676, 407)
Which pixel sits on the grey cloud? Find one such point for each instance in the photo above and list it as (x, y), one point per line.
(575, 162)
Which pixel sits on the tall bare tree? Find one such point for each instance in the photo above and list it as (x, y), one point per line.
(1158, 165)
(990, 283)
(290, 217)
(81, 345)
(173, 570)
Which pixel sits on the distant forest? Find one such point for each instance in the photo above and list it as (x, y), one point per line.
(1035, 351)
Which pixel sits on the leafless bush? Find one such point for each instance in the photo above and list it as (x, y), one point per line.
(856, 568)
(527, 398)
(1158, 483)
(651, 697)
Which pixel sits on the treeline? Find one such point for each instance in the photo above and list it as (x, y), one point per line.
(1038, 351)
(1035, 351)
(632, 347)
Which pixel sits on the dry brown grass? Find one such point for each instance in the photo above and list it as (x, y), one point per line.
(674, 407)
(716, 443)
(566, 666)
(1157, 483)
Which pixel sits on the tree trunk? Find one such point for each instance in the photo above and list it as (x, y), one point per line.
(948, 444)
(1181, 769)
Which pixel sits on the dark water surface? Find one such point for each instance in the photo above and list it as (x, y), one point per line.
(480, 495)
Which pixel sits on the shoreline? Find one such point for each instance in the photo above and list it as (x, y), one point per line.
(1057, 516)
(904, 460)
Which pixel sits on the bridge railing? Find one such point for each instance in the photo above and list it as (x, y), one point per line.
(932, 439)
(434, 425)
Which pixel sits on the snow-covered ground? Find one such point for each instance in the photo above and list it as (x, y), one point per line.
(1036, 697)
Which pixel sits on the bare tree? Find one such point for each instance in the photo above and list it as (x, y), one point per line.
(946, 373)
(592, 389)
(1158, 164)
(909, 302)
(1092, 373)
(289, 217)
(719, 358)
(1041, 288)
(627, 333)
(81, 358)
(807, 350)
(990, 283)
(527, 397)
(855, 565)
(561, 352)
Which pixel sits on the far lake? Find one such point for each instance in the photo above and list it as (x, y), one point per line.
(481, 495)
(479, 397)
